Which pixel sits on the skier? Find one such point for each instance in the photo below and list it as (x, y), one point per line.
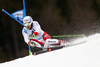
(36, 37)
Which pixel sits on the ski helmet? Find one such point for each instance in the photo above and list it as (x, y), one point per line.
(27, 21)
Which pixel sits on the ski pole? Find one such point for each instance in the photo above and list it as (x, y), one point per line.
(63, 36)
(29, 49)
(67, 35)
(23, 25)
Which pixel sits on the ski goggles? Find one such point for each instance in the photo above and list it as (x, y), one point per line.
(27, 24)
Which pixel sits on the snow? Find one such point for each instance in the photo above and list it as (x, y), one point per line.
(83, 55)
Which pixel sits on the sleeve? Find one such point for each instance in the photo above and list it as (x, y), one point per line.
(25, 35)
(38, 28)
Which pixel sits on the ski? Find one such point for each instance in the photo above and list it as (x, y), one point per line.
(46, 50)
(41, 51)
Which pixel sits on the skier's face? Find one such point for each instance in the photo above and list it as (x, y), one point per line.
(29, 27)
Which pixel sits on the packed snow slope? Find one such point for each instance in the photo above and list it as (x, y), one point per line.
(83, 55)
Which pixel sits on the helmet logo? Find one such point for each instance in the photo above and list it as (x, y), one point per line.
(26, 20)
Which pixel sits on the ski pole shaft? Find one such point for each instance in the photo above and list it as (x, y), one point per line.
(67, 35)
(63, 36)
(29, 49)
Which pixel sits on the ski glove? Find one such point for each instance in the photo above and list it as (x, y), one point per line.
(35, 33)
(31, 44)
(32, 35)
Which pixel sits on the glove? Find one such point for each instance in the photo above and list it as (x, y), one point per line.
(32, 44)
(30, 37)
(35, 33)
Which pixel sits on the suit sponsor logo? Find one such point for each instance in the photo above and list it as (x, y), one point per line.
(52, 41)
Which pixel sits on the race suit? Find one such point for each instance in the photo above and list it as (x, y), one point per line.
(41, 38)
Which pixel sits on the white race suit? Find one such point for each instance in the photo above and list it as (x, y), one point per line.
(41, 39)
